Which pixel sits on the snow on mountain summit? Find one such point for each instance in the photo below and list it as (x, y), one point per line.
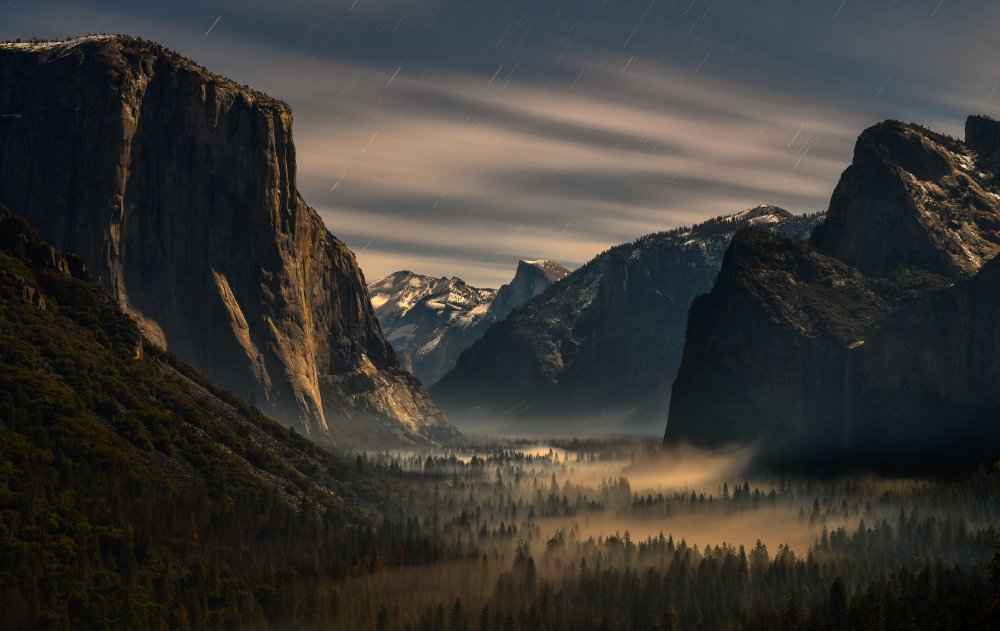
(432, 320)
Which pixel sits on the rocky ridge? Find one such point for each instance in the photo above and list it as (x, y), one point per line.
(872, 344)
(599, 350)
(432, 320)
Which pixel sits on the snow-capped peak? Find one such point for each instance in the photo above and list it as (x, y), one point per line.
(434, 319)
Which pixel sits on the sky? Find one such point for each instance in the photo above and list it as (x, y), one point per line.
(454, 137)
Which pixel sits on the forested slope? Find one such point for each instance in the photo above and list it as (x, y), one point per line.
(134, 493)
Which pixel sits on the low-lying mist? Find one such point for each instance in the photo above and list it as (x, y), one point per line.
(510, 516)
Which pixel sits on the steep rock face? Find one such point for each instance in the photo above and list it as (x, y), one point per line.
(931, 373)
(768, 350)
(865, 355)
(914, 199)
(177, 188)
(432, 320)
(602, 346)
(530, 279)
(91, 355)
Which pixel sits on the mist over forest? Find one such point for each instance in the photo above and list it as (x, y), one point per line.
(382, 315)
(623, 534)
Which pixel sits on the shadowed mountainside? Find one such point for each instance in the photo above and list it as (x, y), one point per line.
(132, 486)
(599, 350)
(873, 344)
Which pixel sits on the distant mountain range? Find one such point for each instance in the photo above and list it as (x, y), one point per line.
(598, 351)
(876, 343)
(176, 187)
(432, 320)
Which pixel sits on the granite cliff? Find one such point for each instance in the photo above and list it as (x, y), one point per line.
(176, 187)
(530, 279)
(873, 343)
(145, 471)
(930, 376)
(914, 199)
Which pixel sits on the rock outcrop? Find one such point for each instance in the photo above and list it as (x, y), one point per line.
(768, 350)
(873, 344)
(913, 199)
(530, 279)
(432, 320)
(599, 350)
(177, 189)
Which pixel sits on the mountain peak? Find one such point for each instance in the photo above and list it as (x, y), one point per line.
(602, 345)
(758, 215)
(875, 343)
(762, 210)
(126, 51)
(914, 148)
(764, 216)
(913, 198)
(552, 270)
(432, 320)
(531, 278)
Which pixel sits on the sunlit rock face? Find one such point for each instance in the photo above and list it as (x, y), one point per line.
(530, 279)
(915, 199)
(432, 320)
(600, 349)
(874, 343)
(177, 189)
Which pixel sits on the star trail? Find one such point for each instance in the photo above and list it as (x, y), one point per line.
(432, 135)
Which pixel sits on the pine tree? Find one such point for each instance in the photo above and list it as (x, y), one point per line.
(484, 618)
(457, 621)
(837, 604)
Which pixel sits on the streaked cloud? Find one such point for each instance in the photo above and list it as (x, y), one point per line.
(452, 138)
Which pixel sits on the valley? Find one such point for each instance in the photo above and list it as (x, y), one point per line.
(211, 418)
(623, 534)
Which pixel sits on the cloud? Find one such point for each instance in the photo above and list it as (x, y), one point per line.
(446, 159)
(455, 138)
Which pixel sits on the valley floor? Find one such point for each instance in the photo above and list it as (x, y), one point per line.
(616, 534)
